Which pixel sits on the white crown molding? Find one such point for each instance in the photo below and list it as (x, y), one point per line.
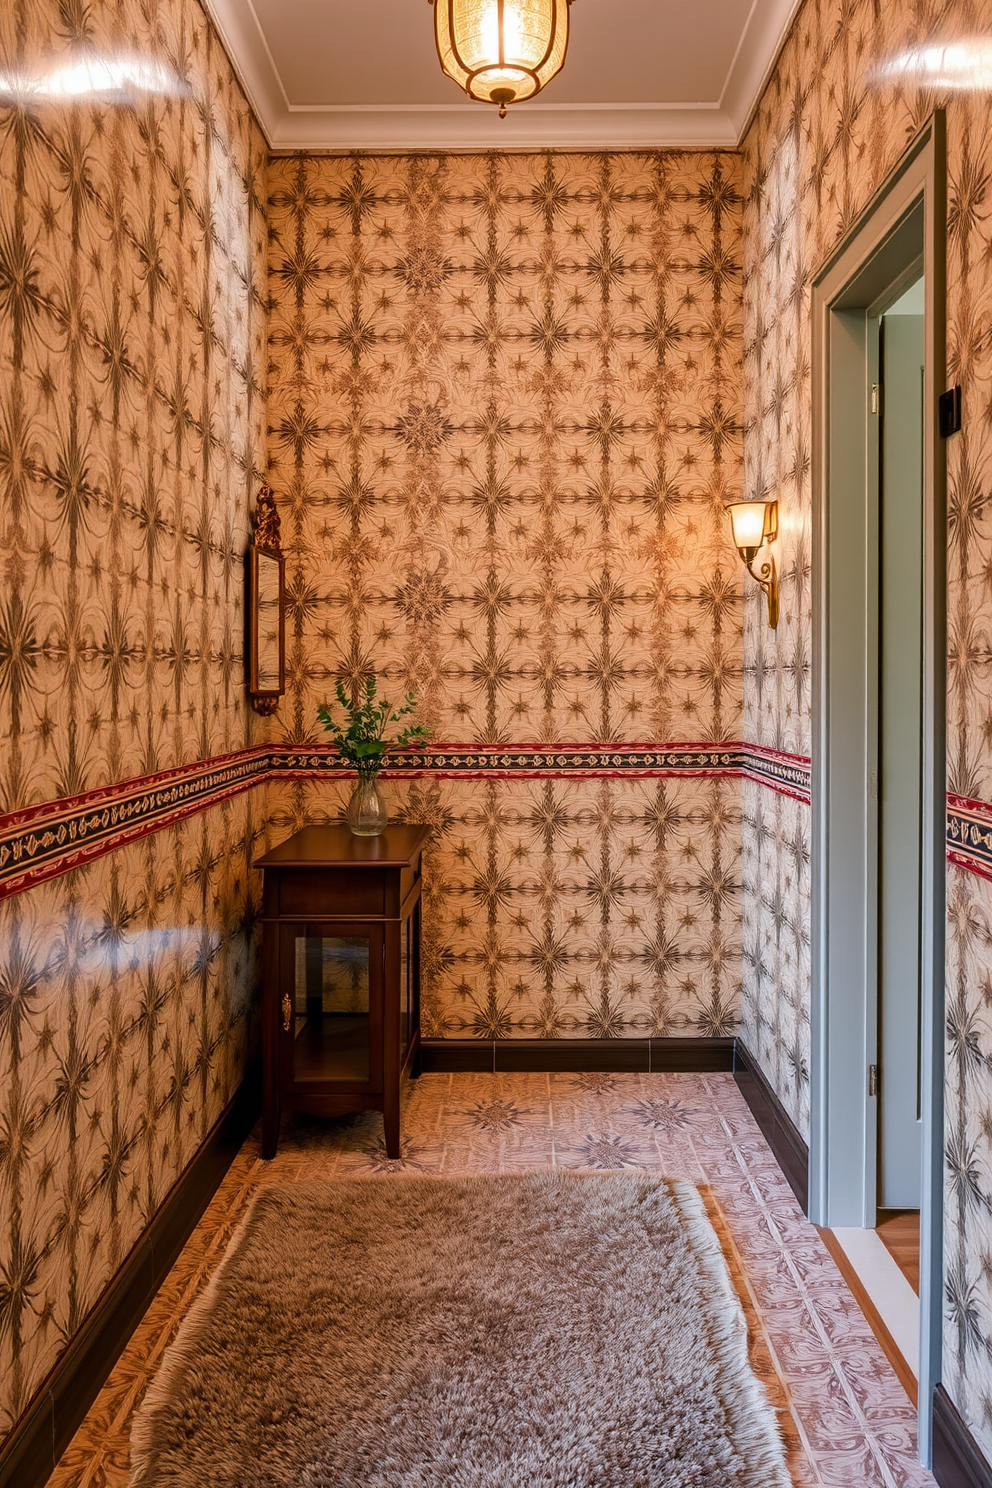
(472, 127)
(764, 36)
(239, 30)
(538, 126)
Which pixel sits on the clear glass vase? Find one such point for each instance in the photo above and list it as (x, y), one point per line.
(366, 811)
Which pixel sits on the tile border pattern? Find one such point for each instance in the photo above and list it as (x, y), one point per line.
(49, 839)
(52, 838)
(969, 835)
(784, 772)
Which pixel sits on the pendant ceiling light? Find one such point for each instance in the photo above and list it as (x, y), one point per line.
(501, 51)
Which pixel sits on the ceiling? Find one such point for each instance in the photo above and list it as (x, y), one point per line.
(363, 74)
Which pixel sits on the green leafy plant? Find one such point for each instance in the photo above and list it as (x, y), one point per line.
(361, 741)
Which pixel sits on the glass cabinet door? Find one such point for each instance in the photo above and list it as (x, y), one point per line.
(332, 981)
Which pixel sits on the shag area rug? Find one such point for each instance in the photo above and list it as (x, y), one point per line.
(553, 1331)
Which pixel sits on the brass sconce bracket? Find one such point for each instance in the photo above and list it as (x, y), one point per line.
(766, 578)
(755, 526)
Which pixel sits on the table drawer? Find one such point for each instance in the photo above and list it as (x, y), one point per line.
(340, 892)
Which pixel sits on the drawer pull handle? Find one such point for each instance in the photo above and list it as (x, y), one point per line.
(287, 1012)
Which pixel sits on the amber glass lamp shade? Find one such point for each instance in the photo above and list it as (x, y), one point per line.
(753, 523)
(755, 526)
(501, 51)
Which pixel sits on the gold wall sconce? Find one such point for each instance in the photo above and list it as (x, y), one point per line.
(755, 526)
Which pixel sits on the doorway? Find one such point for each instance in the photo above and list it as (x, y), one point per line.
(878, 789)
(896, 356)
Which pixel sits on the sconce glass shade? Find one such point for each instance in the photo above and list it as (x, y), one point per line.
(753, 523)
(501, 51)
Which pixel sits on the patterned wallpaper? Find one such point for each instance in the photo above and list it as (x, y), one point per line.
(125, 1017)
(505, 409)
(829, 127)
(776, 942)
(564, 908)
(131, 381)
(504, 413)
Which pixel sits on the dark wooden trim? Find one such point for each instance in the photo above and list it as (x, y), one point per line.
(457, 1056)
(572, 1056)
(33, 1448)
(639, 1056)
(701, 1056)
(957, 1461)
(777, 1126)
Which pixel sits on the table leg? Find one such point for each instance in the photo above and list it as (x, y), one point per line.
(391, 1122)
(270, 1128)
(271, 1019)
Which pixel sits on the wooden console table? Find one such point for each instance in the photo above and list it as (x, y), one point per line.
(341, 974)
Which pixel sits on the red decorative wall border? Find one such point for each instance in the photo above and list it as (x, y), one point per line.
(969, 835)
(784, 772)
(46, 840)
(52, 838)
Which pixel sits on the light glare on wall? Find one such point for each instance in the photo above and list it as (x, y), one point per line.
(964, 65)
(501, 51)
(110, 78)
(755, 525)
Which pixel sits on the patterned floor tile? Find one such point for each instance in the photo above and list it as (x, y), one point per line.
(845, 1419)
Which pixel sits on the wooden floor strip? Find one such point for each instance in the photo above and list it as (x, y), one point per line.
(899, 1232)
(903, 1371)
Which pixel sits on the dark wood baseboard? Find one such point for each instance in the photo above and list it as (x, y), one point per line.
(457, 1056)
(30, 1453)
(777, 1126)
(957, 1461)
(569, 1056)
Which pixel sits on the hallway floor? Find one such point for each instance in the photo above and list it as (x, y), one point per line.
(899, 1232)
(844, 1415)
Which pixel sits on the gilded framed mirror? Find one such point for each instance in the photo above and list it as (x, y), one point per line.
(266, 608)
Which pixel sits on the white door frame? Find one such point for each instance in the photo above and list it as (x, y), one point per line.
(880, 244)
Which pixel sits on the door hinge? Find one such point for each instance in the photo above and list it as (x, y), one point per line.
(873, 1079)
(873, 785)
(876, 397)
